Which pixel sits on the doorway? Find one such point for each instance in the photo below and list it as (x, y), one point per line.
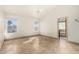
(62, 27)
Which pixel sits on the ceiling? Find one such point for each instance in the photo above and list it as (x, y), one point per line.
(30, 10)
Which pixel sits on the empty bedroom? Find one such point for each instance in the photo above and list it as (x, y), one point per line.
(39, 29)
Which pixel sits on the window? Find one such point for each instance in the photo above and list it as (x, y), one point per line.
(11, 26)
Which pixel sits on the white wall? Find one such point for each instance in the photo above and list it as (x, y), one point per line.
(1, 29)
(73, 30)
(49, 22)
(25, 26)
(48, 26)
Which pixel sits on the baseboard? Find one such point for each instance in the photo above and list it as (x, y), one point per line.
(30, 36)
(22, 37)
(48, 36)
(74, 42)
